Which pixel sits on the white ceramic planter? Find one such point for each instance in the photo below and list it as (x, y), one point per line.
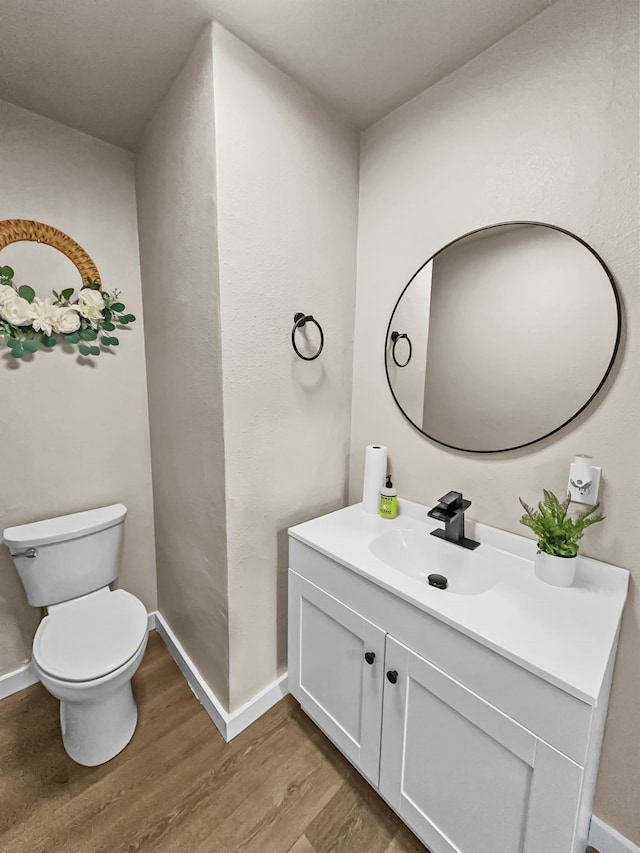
(557, 571)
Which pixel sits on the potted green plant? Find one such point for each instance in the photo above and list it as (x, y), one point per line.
(558, 537)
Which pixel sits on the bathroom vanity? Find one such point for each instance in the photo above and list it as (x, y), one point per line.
(476, 711)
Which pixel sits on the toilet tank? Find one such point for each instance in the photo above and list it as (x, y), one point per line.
(74, 554)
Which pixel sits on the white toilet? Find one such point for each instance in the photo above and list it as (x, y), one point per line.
(92, 639)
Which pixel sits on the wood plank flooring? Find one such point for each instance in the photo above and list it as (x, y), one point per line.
(279, 787)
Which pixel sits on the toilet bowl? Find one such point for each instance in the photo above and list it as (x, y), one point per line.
(85, 653)
(92, 640)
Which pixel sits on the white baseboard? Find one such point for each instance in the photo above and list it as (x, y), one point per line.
(605, 839)
(17, 680)
(257, 706)
(196, 682)
(228, 724)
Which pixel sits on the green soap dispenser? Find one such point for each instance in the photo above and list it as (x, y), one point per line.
(388, 500)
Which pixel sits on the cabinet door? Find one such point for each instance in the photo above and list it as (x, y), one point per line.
(330, 676)
(465, 777)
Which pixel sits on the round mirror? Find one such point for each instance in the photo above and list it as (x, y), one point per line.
(502, 337)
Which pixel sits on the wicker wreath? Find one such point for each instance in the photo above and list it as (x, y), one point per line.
(29, 323)
(15, 230)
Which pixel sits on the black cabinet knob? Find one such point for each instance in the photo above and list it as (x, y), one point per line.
(392, 675)
(369, 657)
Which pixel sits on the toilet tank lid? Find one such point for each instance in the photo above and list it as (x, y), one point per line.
(64, 527)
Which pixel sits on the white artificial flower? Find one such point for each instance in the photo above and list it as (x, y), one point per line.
(66, 321)
(45, 315)
(6, 292)
(17, 311)
(90, 304)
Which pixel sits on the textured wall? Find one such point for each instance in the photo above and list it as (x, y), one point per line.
(74, 436)
(175, 170)
(542, 126)
(287, 184)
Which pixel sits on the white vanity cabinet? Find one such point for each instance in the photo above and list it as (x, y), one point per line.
(463, 775)
(475, 752)
(338, 677)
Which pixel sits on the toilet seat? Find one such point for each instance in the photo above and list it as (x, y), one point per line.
(90, 638)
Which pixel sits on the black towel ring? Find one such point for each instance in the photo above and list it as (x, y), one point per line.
(299, 321)
(395, 337)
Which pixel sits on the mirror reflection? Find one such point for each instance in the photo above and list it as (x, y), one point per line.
(511, 330)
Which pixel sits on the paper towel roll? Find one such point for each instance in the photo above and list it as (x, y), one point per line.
(375, 471)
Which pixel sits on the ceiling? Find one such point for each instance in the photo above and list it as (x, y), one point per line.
(103, 67)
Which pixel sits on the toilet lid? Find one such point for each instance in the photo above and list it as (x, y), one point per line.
(91, 637)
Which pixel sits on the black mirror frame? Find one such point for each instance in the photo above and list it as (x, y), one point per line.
(593, 395)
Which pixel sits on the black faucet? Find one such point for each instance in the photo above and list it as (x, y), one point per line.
(451, 510)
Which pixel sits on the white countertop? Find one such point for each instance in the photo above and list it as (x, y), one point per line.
(563, 635)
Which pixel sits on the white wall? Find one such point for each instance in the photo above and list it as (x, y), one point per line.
(542, 126)
(247, 194)
(175, 168)
(287, 184)
(74, 436)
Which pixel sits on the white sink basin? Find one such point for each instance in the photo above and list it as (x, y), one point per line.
(562, 635)
(418, 555)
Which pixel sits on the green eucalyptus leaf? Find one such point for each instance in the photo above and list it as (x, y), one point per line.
(88, 334)
(108, 326)
(31, 345)
(94, 350)
(117, 306)
(7, 272)
(130, 318)
(49, 341)
(84, 349)
(17, 352)
(27, 292)
(114, 342)
(72, 338)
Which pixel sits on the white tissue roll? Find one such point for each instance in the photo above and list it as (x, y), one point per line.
(375, 471)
